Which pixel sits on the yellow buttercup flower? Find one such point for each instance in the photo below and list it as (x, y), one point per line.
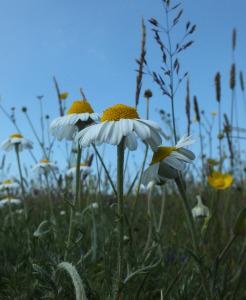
(220, 181)
(213, 162)
(63, 96)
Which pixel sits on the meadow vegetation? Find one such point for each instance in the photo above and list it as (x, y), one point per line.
(173, 227)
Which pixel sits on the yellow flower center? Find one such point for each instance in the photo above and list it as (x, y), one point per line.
(44, 161)
(83, 164)
(80, 107)
(118, 112)
(7, 181)
(162, 153)
(16, 136)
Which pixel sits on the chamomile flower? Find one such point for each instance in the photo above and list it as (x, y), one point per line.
(200, 210)
(84, 170)
(78, 116)
(16, 140)
(44, 166)
(9, 185)
(168, 161)
(118, 122)
(9, 200)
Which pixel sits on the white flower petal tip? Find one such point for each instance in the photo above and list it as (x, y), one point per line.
(185, 141)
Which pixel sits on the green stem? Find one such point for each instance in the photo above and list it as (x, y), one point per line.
(10, 210)
(105, 169)
(11, 214)
(120, 198)
(23, 195)
(148, 241)
(191, 225)
(76, 196)
(53, 219)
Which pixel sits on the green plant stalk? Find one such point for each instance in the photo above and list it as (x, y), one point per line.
(11, 214)
(105, 169)
(23, 195)
(50, 198)
(120, 210)
(220, 140)
(10, 210)
(202, 150)
(36, 135)
(148, 241)
(142, 169)
(171, 75)
(193, 233)
(76, 196)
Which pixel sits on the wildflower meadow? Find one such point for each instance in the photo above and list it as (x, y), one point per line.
(142, 199)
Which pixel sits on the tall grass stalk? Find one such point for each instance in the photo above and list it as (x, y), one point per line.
(23, 196)
(193, 233)
(75, 201)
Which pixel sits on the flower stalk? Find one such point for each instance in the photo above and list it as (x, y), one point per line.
(120, 210)
(193, 233)
(23, 195)
(75, 201)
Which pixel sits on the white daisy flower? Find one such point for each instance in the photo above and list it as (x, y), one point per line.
(168, 161)
(78, 116)
(84, 170)
(44, 166)
(9, 185)
(200, 210)
(10, 200)
(121, 121)
(16, 140)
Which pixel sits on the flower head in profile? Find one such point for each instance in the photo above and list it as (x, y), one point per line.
(200, 210)
(85, 169)
(79, 115)
(118, 122)
(168, 161)
(220, 181)
(16, 140)
(9, 200)
(44, 167)
(9, 185)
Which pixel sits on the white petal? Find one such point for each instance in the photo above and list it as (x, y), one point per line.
(131, 142)
(142, 130)
(175, 163)
(185, 141)
(151, 174)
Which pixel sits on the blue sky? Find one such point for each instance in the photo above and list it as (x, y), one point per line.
(93, 44)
